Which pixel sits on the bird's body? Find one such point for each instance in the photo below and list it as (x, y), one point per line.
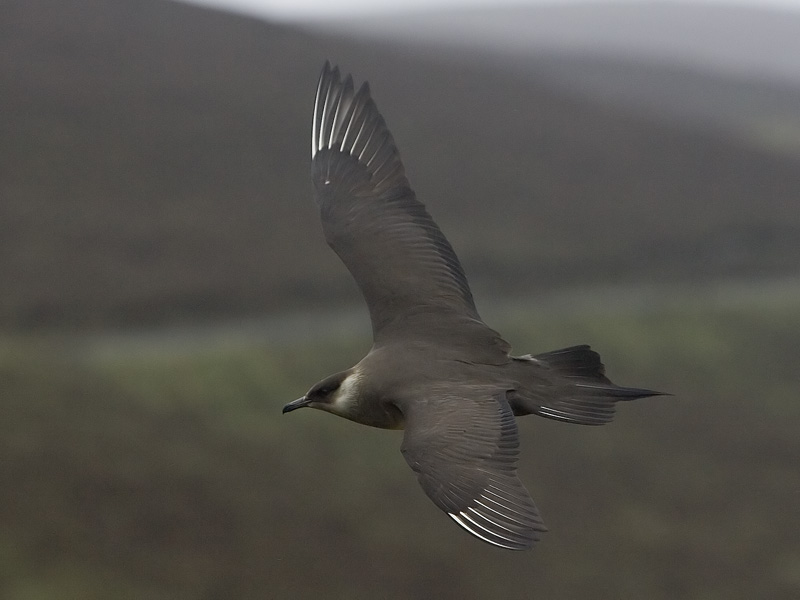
(435, 368)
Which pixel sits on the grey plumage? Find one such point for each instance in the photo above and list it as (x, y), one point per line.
(435, 369)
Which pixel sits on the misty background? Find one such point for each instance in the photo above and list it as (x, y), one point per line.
(620, 174)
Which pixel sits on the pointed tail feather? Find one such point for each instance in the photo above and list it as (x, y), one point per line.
(579, 393)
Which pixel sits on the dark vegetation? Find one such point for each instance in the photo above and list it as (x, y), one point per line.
(179, 478)
(153, 170)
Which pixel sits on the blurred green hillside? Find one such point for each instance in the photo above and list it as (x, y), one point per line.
(177, 477)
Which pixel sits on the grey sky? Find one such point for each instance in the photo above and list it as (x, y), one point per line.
(304, 9)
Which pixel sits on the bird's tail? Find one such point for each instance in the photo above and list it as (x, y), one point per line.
(576, 389)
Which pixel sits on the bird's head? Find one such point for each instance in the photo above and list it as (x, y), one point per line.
(335, 394)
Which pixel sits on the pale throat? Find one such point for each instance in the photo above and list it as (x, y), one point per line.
(348, 392)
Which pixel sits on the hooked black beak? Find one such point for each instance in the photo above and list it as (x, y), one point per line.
(299, 403)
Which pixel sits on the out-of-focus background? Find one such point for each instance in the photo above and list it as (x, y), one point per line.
(620, 174)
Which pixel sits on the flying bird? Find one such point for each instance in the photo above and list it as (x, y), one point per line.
(435, 369)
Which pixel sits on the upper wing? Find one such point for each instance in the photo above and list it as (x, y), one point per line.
(462, 443)
(398, 256)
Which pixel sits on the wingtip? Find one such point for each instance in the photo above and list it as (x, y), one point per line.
(502, 516)
(480, 527)
(327, 69)
(328, 80)
(351, 124)
(471, 526)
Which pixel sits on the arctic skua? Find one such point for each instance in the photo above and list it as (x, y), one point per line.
(435, 369)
